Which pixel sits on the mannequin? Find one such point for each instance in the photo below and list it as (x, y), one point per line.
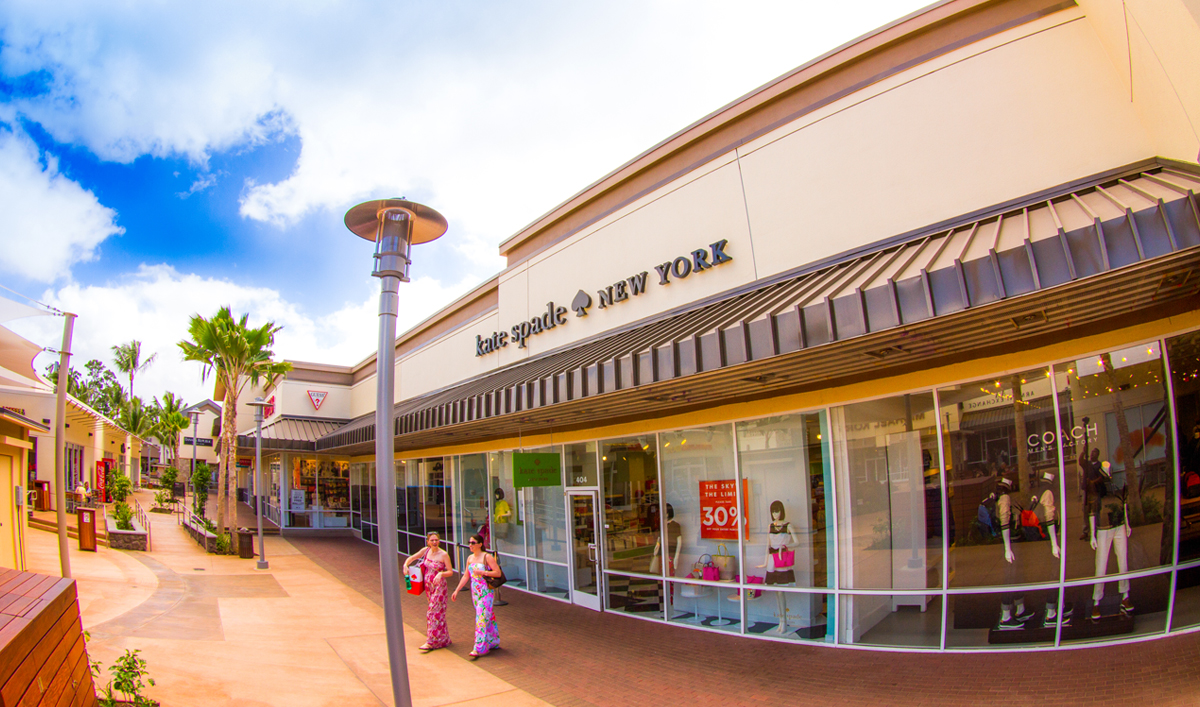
(1042, 504)
(1108, 521)
(674, 540)
(1013, 613)
(780, 537)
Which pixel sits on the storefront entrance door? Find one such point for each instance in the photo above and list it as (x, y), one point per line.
(585, 552)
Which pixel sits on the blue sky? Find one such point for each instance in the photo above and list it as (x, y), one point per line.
(159, 160)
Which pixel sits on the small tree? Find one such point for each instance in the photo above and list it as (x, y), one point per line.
(168, 478)
(120, 487)
(200, 480)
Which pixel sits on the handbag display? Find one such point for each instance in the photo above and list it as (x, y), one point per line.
(784, 558)
(708, 570)
(413, 579)
(496, 582)
(754, 593)
(725, 562)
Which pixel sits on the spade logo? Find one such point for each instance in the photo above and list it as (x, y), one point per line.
(581, 303)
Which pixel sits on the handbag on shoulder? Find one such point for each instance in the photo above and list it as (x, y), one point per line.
(496, 582)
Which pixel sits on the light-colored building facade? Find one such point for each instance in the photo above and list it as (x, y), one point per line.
(828, 339)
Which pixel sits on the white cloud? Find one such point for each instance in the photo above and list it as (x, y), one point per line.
(47, 222)
(491, 112)
(155, 304)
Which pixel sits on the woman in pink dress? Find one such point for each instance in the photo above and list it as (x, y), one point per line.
(436, 568)
(480, 566)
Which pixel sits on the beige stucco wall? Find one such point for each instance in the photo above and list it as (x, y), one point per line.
(1031, 108)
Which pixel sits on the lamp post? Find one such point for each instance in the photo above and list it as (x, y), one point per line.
(394, 225)
(258, 406)
(195, 415)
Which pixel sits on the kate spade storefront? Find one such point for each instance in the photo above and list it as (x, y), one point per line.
(897, 352)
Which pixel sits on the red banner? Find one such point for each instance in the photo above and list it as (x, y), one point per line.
(101, 481)
(718, 510)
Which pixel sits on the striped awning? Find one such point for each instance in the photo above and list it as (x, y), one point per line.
(1108, 246)
(291, 432)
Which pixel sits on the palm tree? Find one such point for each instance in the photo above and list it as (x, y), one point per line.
(136, 419)
(127, 358)
(234, 355)
(170, 421)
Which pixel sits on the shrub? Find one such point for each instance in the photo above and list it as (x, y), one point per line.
(120, 487)
(128, 671)
(124, 516)
(201, 477)
(223, 544)
(168, 478)
(162, 499)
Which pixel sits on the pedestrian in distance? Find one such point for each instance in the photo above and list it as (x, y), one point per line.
(436, 568)
(480, 566)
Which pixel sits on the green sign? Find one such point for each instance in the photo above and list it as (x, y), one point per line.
(536, 469)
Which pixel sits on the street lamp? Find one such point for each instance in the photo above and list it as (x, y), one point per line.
(195, 415)
(394, 225)
(258, 406)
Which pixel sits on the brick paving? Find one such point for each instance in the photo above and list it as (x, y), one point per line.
(572, 656)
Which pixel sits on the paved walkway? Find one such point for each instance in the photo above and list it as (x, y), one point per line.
(217, 632)
(572, 656)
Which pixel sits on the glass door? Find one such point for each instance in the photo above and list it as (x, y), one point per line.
(585, 555)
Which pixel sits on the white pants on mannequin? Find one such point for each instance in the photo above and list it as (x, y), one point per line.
(1113, 538)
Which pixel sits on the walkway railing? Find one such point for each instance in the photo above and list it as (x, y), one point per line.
(144, 520)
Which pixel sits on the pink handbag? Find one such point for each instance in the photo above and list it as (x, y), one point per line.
(756, 593)
(709, 571)
(784, 558)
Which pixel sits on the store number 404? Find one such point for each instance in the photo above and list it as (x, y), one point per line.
(719, 516)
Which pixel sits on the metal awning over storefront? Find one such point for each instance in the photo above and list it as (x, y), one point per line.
(1017, 274)
(291, 432)
(1004, 416)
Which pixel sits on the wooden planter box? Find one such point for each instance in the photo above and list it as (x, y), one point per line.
(43, 659)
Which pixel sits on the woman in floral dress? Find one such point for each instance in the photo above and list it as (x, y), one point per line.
(480, 566)
(436, 568)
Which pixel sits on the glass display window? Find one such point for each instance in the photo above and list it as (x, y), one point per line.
(545, 514)
(795, 616)
(631, 517)
(1186, 610)
(1117, 609)
(714, 605)
(888, 474)
(506, 524)
(628, 594)
(333, 492)
(472, 497)
(410, 512)
(1003, 472)
(893, 620)
(579, 464)
(1116, 416)
(997, 620)
(785, 464)
(302, 492)
(548, 579)
(434, 479)
(1183, 353)
(704, 514)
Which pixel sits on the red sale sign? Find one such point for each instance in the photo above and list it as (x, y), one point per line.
(718, 510)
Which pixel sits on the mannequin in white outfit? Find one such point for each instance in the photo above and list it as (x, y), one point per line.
(1108, 521)
(779, 538)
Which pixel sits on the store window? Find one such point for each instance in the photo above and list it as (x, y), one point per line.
(409, 510)
(333, 490)
(1118, 421)
(1005, 486)
(629, 478)
(302, 498)
(434, 479)
(786, 468)
(887, 470)
(506, 530)
(890, 509)
(1183, 353)
(703, 522)
(579, 464)
(546, 515)
(472, 500)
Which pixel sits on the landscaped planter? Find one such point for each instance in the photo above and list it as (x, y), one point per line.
(125, 539)
(196, 529)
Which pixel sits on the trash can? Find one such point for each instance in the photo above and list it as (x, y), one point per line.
(87, 529)
(245, 544)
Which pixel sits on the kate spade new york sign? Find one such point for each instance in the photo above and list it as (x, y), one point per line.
(698, 261)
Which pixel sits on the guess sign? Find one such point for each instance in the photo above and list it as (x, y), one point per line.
(718, 510)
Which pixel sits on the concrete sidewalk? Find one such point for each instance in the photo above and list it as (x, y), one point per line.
(215, 631)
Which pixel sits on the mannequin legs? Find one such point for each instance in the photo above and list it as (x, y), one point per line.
(1113, 538)
(781, 599)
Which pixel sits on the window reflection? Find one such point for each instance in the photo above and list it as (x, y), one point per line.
(629, 474)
